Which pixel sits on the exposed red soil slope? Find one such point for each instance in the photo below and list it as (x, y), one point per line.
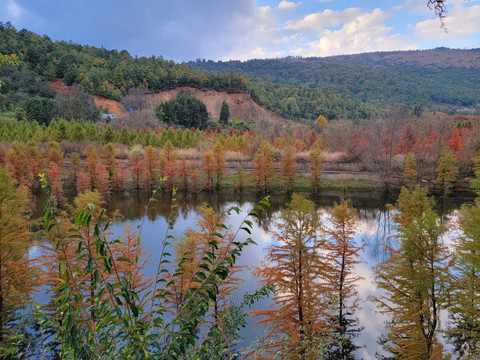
(241, 105)
(113, 106)
(62, 89)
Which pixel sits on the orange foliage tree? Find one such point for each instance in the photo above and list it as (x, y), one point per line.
(167, 165)
(210, 240)
(136, 168)
(455, 142)
(92, 159)
(209, 168)
(108, 159)
(220, 161)
(101, 182)
(18, 275)
(83, 182)
(55, 182)
(74, 167)
(288, 167)
(296, 268)
(150, 171)
(263, 167)
(343, 256)
(316, 163)
(183, 172)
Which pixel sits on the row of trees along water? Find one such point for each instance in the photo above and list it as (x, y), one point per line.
(86, 155)
(103, 305)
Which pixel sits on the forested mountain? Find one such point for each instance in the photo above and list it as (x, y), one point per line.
(94, 71)
(416, 78)
(112, 73)
(353, 87)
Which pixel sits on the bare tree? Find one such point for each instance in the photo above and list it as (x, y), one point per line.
(137, 99)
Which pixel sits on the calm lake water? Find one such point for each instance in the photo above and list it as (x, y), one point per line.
(374, 226)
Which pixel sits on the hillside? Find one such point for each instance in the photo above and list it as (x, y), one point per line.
(241, 105)
(355, 87)
(439, 58)
(419, 79)
(112, 73)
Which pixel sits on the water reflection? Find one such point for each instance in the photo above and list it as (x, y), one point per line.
(374, 226)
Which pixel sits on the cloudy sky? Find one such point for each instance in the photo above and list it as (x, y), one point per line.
(184, 30)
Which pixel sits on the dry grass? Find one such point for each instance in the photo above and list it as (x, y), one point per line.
(336, 156)
(189, 154)
(236, 156)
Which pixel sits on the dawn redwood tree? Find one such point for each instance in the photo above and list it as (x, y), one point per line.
(209, 169)
(209, 240)
(343, 255)
(16, 162)
(74, 168)
(54, 153)
(455, 142)
(170, 174)
(410, 173)
(297, 269)
(119, 177)
(150, 172)
(130, 249)
(83, 182)
(92, 159)
(465, 289)
(263, 167)
(446, 172)
(183, 171)
(475, 183)
(220, 162)
(407, 142)
(136, 169)
(35, 162)
(414, 280)
(316, 164)
(18, 274)
(102, 183)
(55, 181)
(288, 167)
(167, 156)
(108, 159)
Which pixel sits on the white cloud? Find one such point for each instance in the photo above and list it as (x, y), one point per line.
(260, 38)
(461, 20)
(287, 5)
(320, 20)
(365, 32)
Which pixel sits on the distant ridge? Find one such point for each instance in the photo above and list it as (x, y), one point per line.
(439, 78)
(432, 58)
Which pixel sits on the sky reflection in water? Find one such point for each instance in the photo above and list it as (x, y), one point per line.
(374, 226)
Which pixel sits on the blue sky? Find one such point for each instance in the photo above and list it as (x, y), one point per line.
(184, 30)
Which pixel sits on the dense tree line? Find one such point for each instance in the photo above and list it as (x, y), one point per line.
(109, 73)
(360, 88)
(395, 146)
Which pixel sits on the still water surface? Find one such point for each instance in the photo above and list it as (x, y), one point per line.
(374, 226)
